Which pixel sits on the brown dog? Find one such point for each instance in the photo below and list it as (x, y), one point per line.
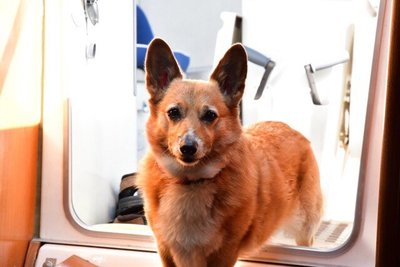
(212, 189)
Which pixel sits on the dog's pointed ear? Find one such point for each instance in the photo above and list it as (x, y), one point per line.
(161, 68)
(230, 74)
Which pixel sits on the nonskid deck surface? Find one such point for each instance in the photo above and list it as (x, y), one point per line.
(330, 234)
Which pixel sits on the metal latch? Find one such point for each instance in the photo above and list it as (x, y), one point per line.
(313, 68)
(50, 262)
(261, 60)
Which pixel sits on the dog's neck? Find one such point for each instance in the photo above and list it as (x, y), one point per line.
(190, 175)
(186, 181)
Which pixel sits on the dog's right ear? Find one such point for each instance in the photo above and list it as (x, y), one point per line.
(161, 68)
(230, 74)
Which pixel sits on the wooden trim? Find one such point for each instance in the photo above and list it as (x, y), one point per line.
(388, 239)
(18, 171)
(32, 253)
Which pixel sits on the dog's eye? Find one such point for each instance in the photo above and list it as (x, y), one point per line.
(174, 114)
(209, 116)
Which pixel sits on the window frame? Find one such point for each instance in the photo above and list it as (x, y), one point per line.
(86, 235)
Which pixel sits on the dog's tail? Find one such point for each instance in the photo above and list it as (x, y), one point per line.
(307, 219)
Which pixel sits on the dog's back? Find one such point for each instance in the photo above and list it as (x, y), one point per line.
(289, 173)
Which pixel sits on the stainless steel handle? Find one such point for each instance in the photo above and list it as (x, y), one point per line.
(314, 67)
(261, 60)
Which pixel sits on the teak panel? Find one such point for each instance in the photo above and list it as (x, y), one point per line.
(18, 171)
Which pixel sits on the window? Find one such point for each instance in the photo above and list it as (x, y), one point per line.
(105, 133)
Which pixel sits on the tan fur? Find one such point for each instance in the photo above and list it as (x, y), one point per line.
(241, 184)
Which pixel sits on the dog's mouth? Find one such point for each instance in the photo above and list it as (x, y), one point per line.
(188, 160)
(184, 160)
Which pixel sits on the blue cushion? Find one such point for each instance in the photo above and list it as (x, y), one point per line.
(183, 60)
(144, 34)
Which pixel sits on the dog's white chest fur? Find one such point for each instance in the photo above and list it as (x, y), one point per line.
(185, 215)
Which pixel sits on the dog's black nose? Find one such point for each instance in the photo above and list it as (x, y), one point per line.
(188, 150)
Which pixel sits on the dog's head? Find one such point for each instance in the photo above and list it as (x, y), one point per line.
(193, 121)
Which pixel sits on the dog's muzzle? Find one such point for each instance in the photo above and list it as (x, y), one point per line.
(188, 150)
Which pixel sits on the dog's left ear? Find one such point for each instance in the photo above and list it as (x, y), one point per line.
(161, 69)
(230, 74)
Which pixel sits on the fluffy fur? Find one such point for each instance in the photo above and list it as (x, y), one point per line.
(212, 189)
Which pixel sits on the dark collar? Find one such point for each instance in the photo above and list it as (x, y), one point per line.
(186, 181)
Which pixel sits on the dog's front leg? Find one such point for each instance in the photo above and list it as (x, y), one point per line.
(166, 256)
(193, 258)
(226, 256)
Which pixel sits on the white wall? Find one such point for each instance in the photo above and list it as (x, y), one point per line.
(103, 109)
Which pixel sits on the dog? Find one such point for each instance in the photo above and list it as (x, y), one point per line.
(213, 190)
